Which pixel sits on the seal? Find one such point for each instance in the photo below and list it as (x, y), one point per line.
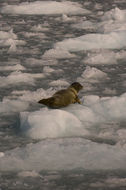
(63, 98)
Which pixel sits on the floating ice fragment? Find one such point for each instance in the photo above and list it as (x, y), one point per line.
(28, 174)
(1, 154)
(92, 74)
(115, 14)
(58, 54)
(112, 40)
(16, 67)
(101, 57)
(59, 82)
(45, 8)
(13, 106)
(6, 35)
(63, 154)
(50, 124)
(19, 77)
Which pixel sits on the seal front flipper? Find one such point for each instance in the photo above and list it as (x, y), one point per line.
(77, 100)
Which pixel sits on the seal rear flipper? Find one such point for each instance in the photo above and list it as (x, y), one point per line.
(47, 102)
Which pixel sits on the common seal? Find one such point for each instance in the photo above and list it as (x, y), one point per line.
(63, 97)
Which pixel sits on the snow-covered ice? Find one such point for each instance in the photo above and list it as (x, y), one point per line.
(79, 153)
(93, 75)
(46, 8)
(112, 40)
(74, 120)
(58, 54)
(19, 77)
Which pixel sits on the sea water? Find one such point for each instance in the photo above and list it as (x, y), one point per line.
(44, 47)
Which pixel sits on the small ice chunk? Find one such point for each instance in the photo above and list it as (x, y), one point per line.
(57, 54)
(59, 82)
(101, 57)
(112, 40)
(40, 28)
(50, 124)
(85, 25)
(16, 67)
(40, 62)
(1, 154)
(115, 14)
(92, 74)
(48, 69)
(7, 35)
(45, 8)
(13, 105)
(28, 174)
(19, 77)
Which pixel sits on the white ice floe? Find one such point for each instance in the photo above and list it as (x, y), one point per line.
(57, 54)
(40, 62)
(9, 106)
(110, 21)
(40, 28)
(48, 69)
(10, 39)
(34, 34)
(112, 28)
(104, 57)
(85, 25)
(63, 154)
(96, 117)
(115, 14)
(101, 57)
(34, 96)
(111, 182)
(7, 35)
(45, 8)
(59, 82)
(16, 67)
(1, 154)
(50, 124)
(28, 174)
(19, 77)
(92, 75)
(113, 40)
(94, 111)
(66, 18)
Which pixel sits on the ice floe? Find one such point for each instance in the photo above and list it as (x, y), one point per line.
(94, 111)
(40, 28)
(59, 82)
(32, 62)
(58, 54)
(96, 118)
(104, 57)
(112, 40)
(63, 154)
(16, 67)
(46, 8)
(50, 124)
(92, 75)
(19, 77)
(10, 39)
(101, 57)
(9, 106)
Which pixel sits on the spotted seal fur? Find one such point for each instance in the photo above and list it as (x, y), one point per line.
(63, 98)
